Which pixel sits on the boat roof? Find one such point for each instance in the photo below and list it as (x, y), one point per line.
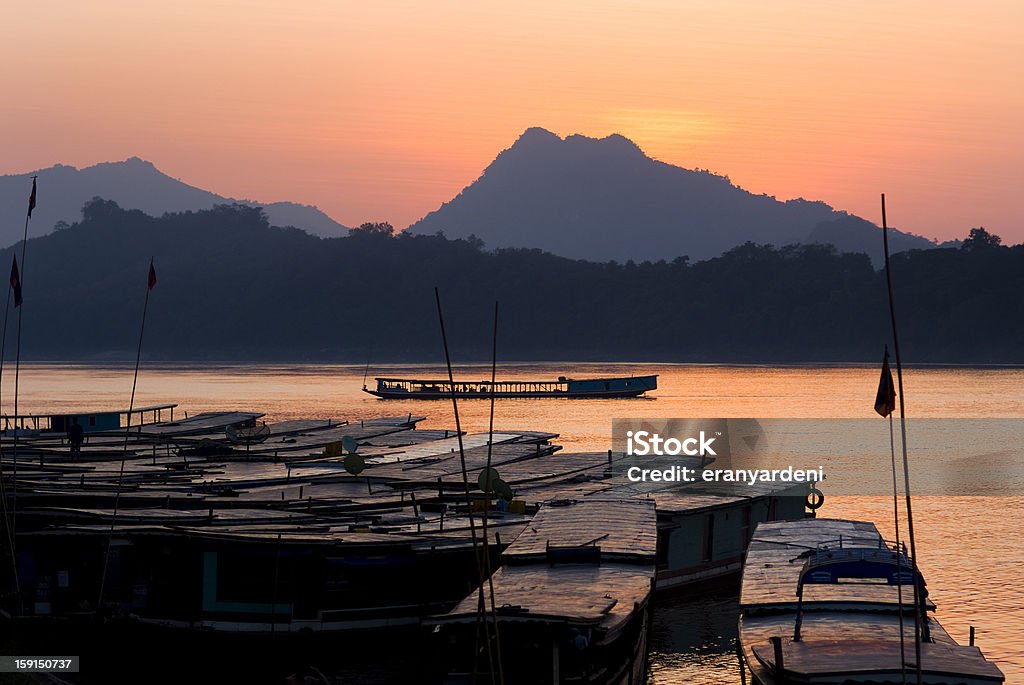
(530, 587)
(625, 529)
(89, 412)
(775, 561)
(600, 595)
(514, 380)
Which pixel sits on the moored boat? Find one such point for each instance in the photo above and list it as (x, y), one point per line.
(570, 602)
(564, 387)
(820, 603)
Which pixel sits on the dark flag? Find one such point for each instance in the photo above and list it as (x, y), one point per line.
(152, 275)
(32, 197)
(885, 400)
(16, 283)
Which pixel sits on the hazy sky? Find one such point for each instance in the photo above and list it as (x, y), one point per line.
(383, 110)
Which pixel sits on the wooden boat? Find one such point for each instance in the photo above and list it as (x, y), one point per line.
(704, 529)
(570, 388)
(819, 604)
(199, 517)
(281, 541)
(571, 600)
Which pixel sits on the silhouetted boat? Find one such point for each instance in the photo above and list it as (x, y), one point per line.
(571, 388)
(820, 604)
(571, 600)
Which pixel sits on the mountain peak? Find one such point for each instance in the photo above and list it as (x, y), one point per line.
(537, 137)
(132, 164)
(616, 143)
(539, 147)
(538, 133)
(135, 161)
(136, 183)
(604, 199)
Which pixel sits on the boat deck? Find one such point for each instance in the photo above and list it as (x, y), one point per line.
(604, 590)
(624, 530)
(850, 632)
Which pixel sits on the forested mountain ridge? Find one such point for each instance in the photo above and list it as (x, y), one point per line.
(232, 287)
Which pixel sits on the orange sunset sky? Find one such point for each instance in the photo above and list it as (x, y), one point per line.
(383, 110)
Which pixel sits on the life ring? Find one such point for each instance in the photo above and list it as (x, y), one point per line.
(815, 498)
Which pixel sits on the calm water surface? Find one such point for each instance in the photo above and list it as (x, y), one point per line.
(970, 548)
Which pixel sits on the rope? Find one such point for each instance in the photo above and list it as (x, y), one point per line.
(366, 371)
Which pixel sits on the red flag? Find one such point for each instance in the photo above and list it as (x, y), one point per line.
(32, 197)
(16, 283)
(152, 275)
(885, 399)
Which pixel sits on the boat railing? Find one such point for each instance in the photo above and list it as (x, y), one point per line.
(858, 549)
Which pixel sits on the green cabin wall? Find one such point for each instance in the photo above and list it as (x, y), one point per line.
(686, 543)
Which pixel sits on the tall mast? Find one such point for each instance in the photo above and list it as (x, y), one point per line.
(919, 627)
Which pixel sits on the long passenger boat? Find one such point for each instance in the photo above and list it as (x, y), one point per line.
(571, 600)
(571, 388)
(820, 604)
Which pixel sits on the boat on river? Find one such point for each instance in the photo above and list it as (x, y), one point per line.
(571, 600)
(564, 387)
(821, 603)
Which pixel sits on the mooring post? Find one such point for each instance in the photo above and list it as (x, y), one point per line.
(780, 665)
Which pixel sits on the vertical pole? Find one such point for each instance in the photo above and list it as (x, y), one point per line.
(490, 445)
(8, 523)
(17, 363)
(903, 436)
(899, 548)
(780, 659)
(124, 453)
(465, 476)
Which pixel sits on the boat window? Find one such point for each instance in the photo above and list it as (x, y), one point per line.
(709, 537)
(664, 537)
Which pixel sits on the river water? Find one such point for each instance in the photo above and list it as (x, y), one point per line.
(970, 548)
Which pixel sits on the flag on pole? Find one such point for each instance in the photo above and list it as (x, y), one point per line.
(32, 197)
(152, 275)
(885, 400)
(16, 283)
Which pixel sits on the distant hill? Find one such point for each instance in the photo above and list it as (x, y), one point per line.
(133, 184)
(231, 287)
(605, 200)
